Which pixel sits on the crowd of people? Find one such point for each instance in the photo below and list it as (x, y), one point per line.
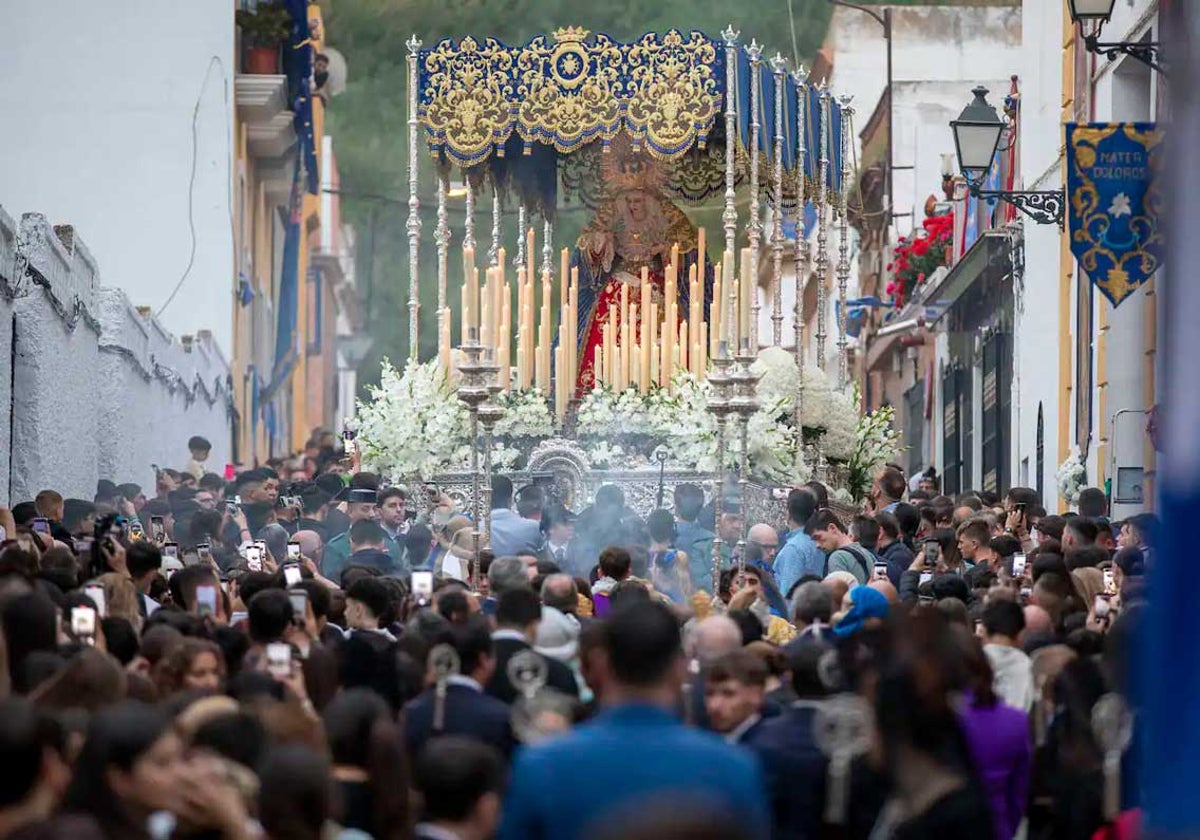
(302, 650)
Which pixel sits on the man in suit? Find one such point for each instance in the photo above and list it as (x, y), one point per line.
(468, 711)
(518, 612)
(512, 535)
(461, 782)
(635, 753)
(735, 688)
(562, 549)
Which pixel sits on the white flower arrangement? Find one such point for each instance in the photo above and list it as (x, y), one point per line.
(1071, 475)
(875, 443)
(412, 424)
(527, 414)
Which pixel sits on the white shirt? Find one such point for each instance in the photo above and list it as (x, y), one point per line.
(554, 549)
(465, 681)
(735, 736)
(511, 635)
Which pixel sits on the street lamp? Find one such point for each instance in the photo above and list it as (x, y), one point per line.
(977, 134)
(1100, 12)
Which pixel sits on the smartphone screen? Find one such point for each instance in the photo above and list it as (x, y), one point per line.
(96, 593)
(279, 659)
(931, 554)
(171, 550)
(925, 578)
(40, 525)
(1018, 565)
(83, 622)
(157, 530)
(204, 552)
(254, 558)
(1100, 606)
(422, 583)
(293, 551)
(880, 571)
(206, 600)
(291, 574)
(1110, 584)
(299, 599)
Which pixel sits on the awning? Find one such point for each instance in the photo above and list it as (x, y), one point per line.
(989, 251)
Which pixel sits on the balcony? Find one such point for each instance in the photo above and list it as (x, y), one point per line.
(263, 105)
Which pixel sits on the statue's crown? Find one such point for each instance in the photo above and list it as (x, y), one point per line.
(570, 33)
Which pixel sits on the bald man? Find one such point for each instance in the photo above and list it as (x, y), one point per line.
(885, 588)
(767, 539)
(311, 545)
(709, 639)
(1038, 623)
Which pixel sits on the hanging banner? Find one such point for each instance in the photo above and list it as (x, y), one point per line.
(1115, 204)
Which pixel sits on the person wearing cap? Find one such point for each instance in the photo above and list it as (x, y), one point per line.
(362, 505)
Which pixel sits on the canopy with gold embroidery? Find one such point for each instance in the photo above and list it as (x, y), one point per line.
(482, 99)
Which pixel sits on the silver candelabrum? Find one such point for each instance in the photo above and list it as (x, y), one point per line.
(744, 404)
(720, 406)
(474, 389)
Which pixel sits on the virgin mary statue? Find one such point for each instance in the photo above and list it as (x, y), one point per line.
(635, 227)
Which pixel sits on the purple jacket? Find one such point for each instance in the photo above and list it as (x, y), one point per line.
(999, 743)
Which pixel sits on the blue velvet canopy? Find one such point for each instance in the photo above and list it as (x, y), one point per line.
(516, 112)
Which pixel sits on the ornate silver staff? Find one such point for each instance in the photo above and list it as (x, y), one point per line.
(719, 406)
(473, 390)
(490, 413)
(469, 231)
(413, 225)
(779, 71)
(494, 250)
(744, 403)
(843, 265)
(822, 232)
(800, 252)
(755, 226)
(441, 236)
(729, 215)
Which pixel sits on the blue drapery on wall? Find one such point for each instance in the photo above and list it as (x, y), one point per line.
(297, 66)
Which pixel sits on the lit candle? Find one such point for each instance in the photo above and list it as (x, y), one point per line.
(701, 247)
(651, 342)
(444, 342)
(564, 276)
(702, 353)
(573, 329)
(729, 312)
(696, 315)
(485, 311)
(682, 354)
(631, 359)
(560, 405)
(714, 313)
(748, 289)
(464, 315)
(521, 367)
(610, 340)
(503, 358)
(471, 280)
(597, 365)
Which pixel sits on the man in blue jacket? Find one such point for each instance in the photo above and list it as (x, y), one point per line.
(799, 556)
(636, 756)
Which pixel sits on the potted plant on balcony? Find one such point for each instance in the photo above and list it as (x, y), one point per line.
(264, 30)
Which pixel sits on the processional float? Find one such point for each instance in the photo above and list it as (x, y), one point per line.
(628, 129)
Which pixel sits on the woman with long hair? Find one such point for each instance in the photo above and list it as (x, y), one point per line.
(369, 766)
(130, 767)
(999, 739)
(190, 665)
